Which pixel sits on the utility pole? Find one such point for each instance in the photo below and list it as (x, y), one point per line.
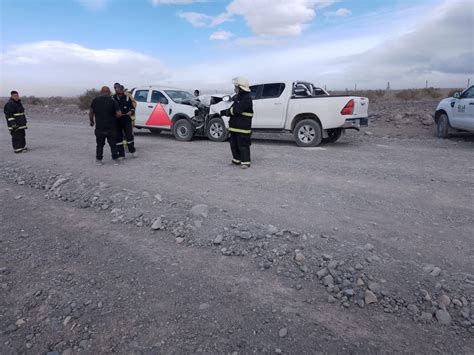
(355, 87)
(388, 85)
(426, 86)
(468, 82)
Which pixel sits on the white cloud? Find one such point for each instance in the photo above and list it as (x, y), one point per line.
(343, 12)
(60, 68)
(221, 36)
(264, 17)
(277, 17)
(196, 19)
(94, 5)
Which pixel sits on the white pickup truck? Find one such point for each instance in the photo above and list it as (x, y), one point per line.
(309, 112)
(161, 108)
(456, 112)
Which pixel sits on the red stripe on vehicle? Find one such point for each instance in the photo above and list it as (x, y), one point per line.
(159, 117)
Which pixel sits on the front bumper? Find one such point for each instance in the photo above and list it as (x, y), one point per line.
(356, 123)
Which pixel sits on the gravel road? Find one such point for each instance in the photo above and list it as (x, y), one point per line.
(363, 246)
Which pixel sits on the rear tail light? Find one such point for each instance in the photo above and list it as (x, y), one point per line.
(349, 108)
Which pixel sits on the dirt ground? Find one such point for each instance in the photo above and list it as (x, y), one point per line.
(364, 246)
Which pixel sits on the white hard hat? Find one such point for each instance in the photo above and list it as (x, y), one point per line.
(241, 83)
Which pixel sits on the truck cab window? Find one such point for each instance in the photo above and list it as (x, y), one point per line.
(141, 95)
(271, 91)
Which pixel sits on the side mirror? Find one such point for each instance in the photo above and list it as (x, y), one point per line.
(457, 95)
(164, 101)
(226, 98)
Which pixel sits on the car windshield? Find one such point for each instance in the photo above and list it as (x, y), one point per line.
(179, 96)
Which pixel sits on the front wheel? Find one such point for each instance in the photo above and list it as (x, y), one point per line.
(442, 126)
(308, 133)
(216, 130)
(183, 130)
(333, 135)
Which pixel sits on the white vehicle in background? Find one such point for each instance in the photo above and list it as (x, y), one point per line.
(309, 112)
(161, 108)
(456, 112)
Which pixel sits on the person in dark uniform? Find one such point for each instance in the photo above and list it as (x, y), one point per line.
(240, 123)
(124, 126)
(16, 121)
(107, 113)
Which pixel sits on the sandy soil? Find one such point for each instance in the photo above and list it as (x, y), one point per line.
(362, 246)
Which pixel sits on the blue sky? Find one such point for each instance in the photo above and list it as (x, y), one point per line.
(192, 43)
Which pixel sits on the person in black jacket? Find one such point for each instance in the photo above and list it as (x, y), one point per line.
(240, 123)
(16, 121)
(124, 126)
(106, 113)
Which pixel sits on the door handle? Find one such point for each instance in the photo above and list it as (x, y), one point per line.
(278, 103)
(171, 110)
(150, 106)
(471, 103)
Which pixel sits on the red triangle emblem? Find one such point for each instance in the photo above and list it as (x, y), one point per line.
(159, 117)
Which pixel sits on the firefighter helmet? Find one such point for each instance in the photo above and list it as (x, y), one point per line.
(242, 83)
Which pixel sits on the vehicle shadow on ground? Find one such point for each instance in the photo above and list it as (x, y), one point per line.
(258, 138)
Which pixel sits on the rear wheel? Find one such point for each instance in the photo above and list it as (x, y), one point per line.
(183, 130)
(155, 130)
(216, 130)
(308, 133)
(333, 135)
(442, 126)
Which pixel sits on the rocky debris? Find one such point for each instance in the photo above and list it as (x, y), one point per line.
(272, 229)
(204, 306)
(347, 273)
(436, 272)
(370, 297)
(157, 224)
(200, 211)
(299, 257)
(413, 309)
(444, 301)
(283, 332)
(443, 317)
(219, 239)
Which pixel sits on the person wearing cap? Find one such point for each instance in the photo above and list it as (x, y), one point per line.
(124, 125)
(16, 121)
(240, 123)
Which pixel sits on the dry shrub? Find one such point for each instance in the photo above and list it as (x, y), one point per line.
(86, 98)
(431, 93)
(408, 94)
(32, 100)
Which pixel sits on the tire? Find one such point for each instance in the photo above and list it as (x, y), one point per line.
(333, 135)
(442, 126)
(308, 133)
(183, 130)
(216, 130)
(155, 130)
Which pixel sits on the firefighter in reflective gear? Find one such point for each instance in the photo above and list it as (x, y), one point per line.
(130, 96)
(240, 123)
(16, 120)
(124, 123)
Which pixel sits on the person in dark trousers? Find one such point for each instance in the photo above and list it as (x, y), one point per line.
(124, 126)
(107, 113)
(240, 123)
(16, 121)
